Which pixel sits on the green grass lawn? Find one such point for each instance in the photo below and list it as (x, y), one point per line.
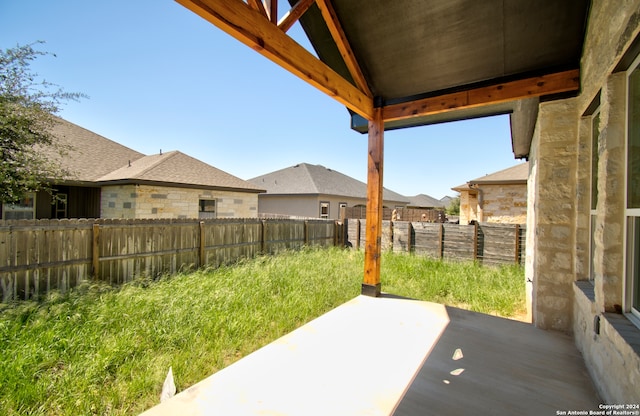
(99, 350)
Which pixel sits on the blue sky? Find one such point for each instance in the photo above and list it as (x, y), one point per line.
(160, 77)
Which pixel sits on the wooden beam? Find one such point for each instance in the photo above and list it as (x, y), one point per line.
(272, 9)
(373, 243)
(559, 82)
(258, 5)
(294, 14)
(331, 19)
(248, 26)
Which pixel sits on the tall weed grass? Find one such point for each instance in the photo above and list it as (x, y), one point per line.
(99, 350)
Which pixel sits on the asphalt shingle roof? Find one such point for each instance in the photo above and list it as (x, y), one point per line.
(423, 200)
(93, 158)
(177, 168)
(309, 179)
(88, 155)
(515, 174)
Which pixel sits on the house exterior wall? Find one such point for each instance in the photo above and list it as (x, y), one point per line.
(299, 206)
(560, 254)
(505, 204)
(146, 201)
(501, 204)
(468, 207)
(309, 205)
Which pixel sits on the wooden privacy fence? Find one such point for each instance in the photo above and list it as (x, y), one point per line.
(404, 214)
(486, 243)
(39, 256)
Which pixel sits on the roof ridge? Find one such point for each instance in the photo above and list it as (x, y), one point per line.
(162, 157)
(311, 177)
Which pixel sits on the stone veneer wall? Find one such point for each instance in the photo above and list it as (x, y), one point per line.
(558, 222)
(505, 204)
(468, 207)
(147, 201)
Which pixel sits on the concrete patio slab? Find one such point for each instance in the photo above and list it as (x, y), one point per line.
(383, 356)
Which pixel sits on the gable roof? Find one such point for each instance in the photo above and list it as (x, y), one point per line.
(518, 174)
(515, 174)
(422, 200)
(176, 168)
(93, 159)
(308, 179)
(446, 200)
(88, 155)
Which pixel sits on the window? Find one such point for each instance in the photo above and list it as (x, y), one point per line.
(324, 209)
(632, 212)
(207, 209)
(24, 210)
(595, 157)
(60, 206)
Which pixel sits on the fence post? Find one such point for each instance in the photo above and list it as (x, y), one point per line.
(95, 260)
(357, 234)
(306, 233)
(409, 236)
(263, 236)
(475, 241)
(441, 241)
(203, 240)
(517, 248)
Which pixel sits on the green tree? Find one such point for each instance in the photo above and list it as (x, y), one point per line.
(454, 206)
(28, 107)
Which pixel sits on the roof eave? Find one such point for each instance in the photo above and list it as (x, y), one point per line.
(178, 185)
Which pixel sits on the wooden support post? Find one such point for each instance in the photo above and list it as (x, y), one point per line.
(517, 248)
(263, 237)
(373, 249)
(409, 236)
(358, 233)
(306, 233)
(95, 260)
(203, 240)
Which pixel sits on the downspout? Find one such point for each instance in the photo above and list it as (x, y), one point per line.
(480, 201)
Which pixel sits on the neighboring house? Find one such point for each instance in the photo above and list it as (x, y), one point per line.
(313, 191)
(446, 200)
(499, 197)
(109, 180)
(425, 201)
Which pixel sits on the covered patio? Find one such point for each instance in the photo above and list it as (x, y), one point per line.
(405, 64)
(397, 65)
(395, 356)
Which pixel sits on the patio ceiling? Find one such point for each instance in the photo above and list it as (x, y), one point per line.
(424, 62)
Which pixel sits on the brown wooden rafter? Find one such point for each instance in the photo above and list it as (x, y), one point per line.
(272, 9)
(251, 28)
(331, 19)
(258, 5)
(294, 14)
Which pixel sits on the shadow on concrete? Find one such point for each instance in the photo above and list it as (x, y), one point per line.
(483, 364)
